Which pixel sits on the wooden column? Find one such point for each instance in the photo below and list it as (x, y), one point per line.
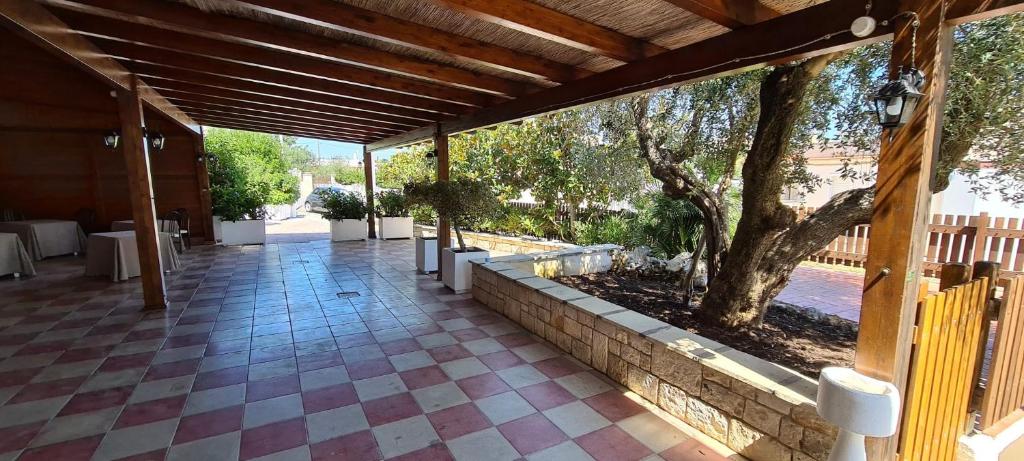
(444, 228)
(899, 225)
(371, 223)
(203, 180)
(140, 192)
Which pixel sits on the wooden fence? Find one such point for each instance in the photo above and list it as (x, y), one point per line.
(1004, 385)
(952, 239)
(936, 410)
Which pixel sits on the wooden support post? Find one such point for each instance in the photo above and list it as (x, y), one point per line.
(203, 180)
(444, 232)
(954, 274)
(140, 192)
(371, 222)
(980, 236)
(899, 224)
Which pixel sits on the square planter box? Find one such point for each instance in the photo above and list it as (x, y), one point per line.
(394, 227)
(426, 254)
(458, 273)
(217, 231)
(348, 229)
(243, 232)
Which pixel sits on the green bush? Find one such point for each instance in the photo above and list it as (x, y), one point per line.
(392, 204)
(423, 215)
(343, 205)
(247, 171)
(461, 201)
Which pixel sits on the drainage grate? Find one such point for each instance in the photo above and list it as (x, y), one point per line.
(348, 294)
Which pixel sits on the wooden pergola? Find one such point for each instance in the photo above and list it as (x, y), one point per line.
(391, 73)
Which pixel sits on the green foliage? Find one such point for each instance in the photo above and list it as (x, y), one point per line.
(391, 204)
(296, 156)
(248, 173)
(346, 174)
(340, 204)
(668, 226)
(405, 166)
(460, 201)
(422, 214)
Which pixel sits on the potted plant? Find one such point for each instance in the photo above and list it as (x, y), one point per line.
(347, 214)
(393, 220)
(460, 202)
(240, 215)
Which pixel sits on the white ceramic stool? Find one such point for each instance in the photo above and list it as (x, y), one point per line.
(859, 406)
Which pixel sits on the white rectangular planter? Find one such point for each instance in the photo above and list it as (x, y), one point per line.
(244, 232)
(458, 273)
(348, 229)
(398, 227)
(426, 254)
(217, 231)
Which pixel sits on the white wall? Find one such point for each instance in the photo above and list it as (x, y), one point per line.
(959, 198)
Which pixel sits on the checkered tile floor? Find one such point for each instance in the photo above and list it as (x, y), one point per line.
(298, 351)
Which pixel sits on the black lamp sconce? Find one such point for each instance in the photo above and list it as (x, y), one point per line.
(156, 139)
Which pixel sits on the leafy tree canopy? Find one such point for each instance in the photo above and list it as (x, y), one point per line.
(249, 171)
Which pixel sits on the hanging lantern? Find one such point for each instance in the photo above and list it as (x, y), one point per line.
(156, 140)
(111, 139)
(896, 100)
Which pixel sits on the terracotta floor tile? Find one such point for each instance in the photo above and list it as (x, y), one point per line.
(209, 424)
(359, 446)
(612, 444)
(532, 433)
(272, 438)
(457, 421)
(390, 409)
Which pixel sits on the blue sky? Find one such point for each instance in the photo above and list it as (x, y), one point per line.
(335, 149)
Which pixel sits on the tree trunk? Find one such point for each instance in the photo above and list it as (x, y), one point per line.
(458, 236)
(763, 253)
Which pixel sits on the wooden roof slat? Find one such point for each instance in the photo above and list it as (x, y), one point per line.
(541, 21)
(173, 88)
(183, 18)
(286, 132)
(279, 126)
(208, 115)
(42, 27)
(370, 84)
(367, 23)
(128, 52)
(728, 13)
(199, 78)
(188, 99)
(213, 109)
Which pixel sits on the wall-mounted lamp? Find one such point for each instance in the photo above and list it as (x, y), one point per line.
(110, 139)
(896, 100)
(432, 153)
(200, 158)
(156, 139)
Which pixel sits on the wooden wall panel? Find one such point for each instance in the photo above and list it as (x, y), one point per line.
(52, 158)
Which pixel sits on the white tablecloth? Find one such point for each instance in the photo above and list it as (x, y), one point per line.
(162, 225)
(47, 237)
(116, 254)
(14, 259)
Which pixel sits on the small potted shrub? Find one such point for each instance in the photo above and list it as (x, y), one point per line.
(347, 213)
(461, 202)
(393, 220)
(240, 216)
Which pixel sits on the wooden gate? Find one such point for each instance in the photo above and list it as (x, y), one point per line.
(946, 343)
(1004, 386)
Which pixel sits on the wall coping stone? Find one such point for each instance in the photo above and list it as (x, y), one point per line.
(564, 293)
(538, 283)
(596, 306)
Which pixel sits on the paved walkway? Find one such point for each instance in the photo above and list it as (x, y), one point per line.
(834, 291)
(297, 352)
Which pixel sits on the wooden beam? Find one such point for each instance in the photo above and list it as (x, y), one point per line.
(381, 86)
(275, 125)
(370, 182)
(287, 92)
(534, 19)
(183, 18)
(286, 132)
(367, 23)
(41, 27)
(280, 113)
(140, 193)
(812, 31)
(401, 140)
(899, 222)
(203, 108)
(444, 227)
(208, 114)
(174, 87)
(127, 52)
(728, 13)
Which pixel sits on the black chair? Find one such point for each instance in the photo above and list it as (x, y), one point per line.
(86, 218)
(185, 227)
(10, 214)
(171, 224)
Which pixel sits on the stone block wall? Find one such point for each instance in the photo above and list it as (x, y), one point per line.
(493, 242)
(762, 411)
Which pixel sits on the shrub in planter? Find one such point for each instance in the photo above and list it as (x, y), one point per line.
(347, 213)
(393, 220)
(240, 212)
(461, 202)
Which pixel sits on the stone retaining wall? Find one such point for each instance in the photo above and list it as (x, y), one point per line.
(493, 242)
(763, 411)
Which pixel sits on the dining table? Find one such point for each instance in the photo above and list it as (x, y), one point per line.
(162, 225)
(116, 255)
(14, 258)
(44, 238)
